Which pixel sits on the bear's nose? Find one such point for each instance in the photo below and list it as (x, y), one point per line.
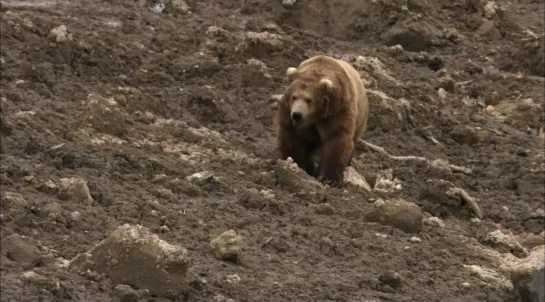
(296, 116)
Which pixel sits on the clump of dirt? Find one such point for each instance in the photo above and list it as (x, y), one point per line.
(131, 132)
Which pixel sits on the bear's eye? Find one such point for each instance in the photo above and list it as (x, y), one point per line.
(308, 101)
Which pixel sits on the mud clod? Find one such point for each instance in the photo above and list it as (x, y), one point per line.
(133, 255)
(16, 248)
(105, 115)
(505, 243)
(528, 275)
(75, 189)
(227, 246)
(291, 178)
(398, 213)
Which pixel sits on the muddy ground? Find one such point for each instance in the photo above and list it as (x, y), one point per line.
(190, 90)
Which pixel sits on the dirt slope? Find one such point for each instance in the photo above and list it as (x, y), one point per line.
(189, 90)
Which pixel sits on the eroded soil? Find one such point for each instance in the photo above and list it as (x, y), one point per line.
(193, 88)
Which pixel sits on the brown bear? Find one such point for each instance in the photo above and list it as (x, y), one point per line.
(324, 108)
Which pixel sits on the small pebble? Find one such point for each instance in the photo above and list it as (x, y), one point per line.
(164, 229)
(415, 239)
(442, 93)
(465, 285)
(391, 278)
(491, 110)
(475, 221)
(75, 215)
(233, 279)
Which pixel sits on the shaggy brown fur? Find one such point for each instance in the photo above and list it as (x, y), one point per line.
(325, 107)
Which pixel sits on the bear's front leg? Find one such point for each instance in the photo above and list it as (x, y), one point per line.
(335, 155)
(293, 146)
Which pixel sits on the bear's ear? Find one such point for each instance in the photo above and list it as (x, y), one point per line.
(290, 72)
(326, 84)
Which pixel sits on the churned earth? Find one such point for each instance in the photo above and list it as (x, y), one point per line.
(138, 153)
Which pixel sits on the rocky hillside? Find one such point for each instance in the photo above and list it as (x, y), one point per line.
(138, 153)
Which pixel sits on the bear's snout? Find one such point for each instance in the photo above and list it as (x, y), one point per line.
(296, 116)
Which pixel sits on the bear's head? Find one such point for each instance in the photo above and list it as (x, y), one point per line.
(310, 97)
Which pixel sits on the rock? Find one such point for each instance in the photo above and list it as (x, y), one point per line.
(418, 36)
(491, 277)
(521, 113)
(48, 283)
(475, 221)
(251, 199)
(529, 56)
(133, 255)
(229, 114)
(371, 69)
(386, 183)
(18, 249)
(490, 9)
(126, 293)
(451, 34)
(488, 30)
(180, 6)
(398, 213)
(60, 34)
(505, 243)
(434, 221)
(261, 44)
(391, 278)
(464, 135)
(214, 31)
(254, 73)
(221, 298)
(198, 64)
(75, 189)
(394, 50)
(530, 241)
(324, 209)
(386, 110)
(448, 84)
(105, 115)
(442, 93)
(415, 239)
(352, 177)
(233, 279)
(227, 246)
(52, 210)
(75, 216)
(12, 200)
(288, 3)
(294, 180)
(527, 276)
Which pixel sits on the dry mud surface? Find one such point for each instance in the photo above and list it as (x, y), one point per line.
(113, 115)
